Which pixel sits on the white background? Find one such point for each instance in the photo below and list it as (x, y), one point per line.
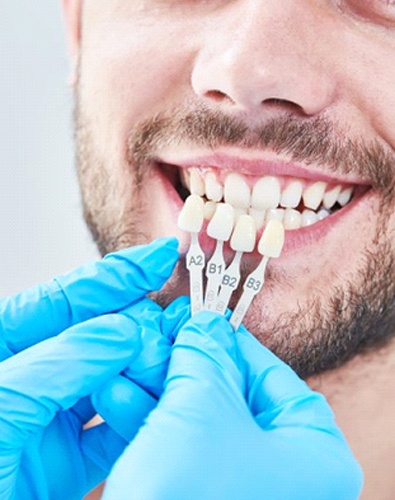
(41, 229)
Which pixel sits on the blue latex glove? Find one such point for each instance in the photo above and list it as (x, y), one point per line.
(97, 288)
(234, 422)
(44, 453)
(126, 400)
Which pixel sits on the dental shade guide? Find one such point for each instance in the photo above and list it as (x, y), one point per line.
(191, 220)
(242, 240)
(220, 228)
(270, 246)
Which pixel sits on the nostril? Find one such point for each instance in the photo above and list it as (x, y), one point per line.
(217, 95)
(274, 103)
(271, 103)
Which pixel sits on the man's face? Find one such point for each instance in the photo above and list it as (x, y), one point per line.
(302, 90)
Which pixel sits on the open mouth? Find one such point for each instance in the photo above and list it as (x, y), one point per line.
(296, 202)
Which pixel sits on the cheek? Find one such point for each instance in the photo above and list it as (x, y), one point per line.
(369, 62)
(129, 74)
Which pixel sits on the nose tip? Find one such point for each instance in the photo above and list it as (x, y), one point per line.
(260, 67)
(234, 86)
(245, 95)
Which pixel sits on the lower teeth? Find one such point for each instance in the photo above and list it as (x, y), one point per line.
(291, 218)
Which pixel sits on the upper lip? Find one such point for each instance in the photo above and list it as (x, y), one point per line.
(254, 164)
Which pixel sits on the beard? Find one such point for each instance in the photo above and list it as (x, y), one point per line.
(314, 336)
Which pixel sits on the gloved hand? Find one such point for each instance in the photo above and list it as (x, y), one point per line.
(97, 288)
(143, 379)
(44, 453)
(234, 422)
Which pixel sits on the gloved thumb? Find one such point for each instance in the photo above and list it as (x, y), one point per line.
(204, 362)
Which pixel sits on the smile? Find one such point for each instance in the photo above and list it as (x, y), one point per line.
(295, 202)
(310, 201)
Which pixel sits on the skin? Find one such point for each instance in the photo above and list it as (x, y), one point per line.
(301, 63)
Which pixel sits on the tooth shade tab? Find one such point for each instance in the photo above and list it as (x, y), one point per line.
(236, 191)
(266, 193)
(192, 214)
(221, 225)
(214, 189)
(244, 234)
(272, 239)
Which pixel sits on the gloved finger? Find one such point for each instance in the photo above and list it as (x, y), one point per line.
(91, 290)
(124, 406)
(203, 362)
(275, 393)
(159, 328)
(53, 376)
(149, 369)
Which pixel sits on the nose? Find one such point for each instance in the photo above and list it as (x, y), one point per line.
(257, 53)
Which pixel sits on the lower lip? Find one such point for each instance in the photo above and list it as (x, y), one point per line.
(294, 239)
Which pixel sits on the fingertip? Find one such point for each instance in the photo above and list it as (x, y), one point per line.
(162, 255)
(145, 268)
(208, 325)
(207, 320)
(168, 245)
(142, 253)
(170, 242)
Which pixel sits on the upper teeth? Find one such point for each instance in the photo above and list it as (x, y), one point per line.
(270, 197)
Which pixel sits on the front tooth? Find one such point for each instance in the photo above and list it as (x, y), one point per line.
(214, 190)
(309, 218)
(292, 219)
(292, 195)
(312, 195)
(266, 193)
(236, 191)
(258, 216)
(196, 183)
(244, 234)
(221, 225)
(345, 196)
(330, 197)
(275, 214)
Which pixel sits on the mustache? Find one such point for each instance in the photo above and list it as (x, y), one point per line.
(316, 140)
